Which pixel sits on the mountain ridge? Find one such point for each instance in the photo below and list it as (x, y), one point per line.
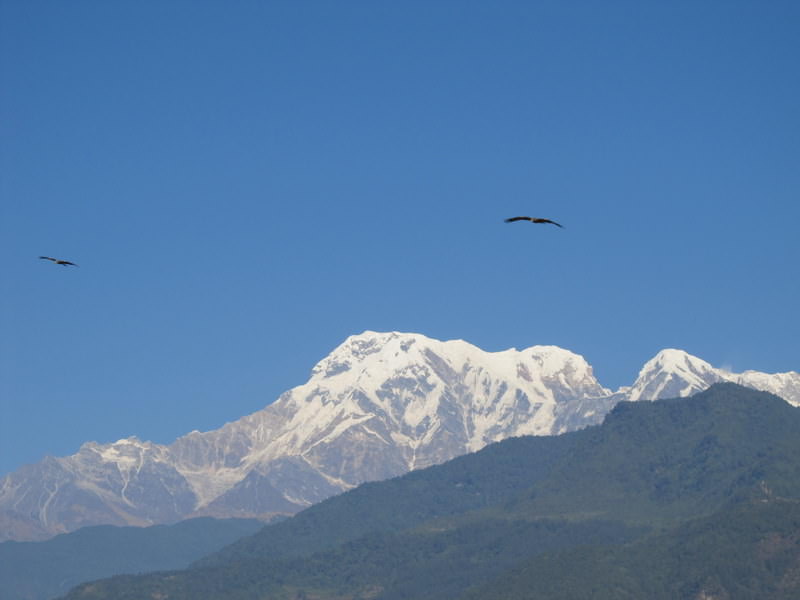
(377, 406)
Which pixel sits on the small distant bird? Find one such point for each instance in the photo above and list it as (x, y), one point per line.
(533, 220)
(58, 261)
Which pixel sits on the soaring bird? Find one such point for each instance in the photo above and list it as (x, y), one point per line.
(58, 261)
(533, 220)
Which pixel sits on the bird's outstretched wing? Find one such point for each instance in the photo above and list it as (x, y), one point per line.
(48, 258)
(534, 220)
(547, 221)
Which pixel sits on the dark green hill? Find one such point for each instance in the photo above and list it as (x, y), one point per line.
(41, 570)
(656, 461)
(422, 564)
(492, 476)
(436, 533)
(747, 552)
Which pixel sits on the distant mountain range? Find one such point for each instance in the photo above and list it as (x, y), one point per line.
(380, 405)
(695, 498)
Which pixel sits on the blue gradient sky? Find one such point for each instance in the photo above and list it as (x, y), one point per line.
(245, 184)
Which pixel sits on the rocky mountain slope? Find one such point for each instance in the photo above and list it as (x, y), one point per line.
(381, 404)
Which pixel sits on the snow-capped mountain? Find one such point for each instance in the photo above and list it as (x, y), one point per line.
(674, 373)
(379, 405)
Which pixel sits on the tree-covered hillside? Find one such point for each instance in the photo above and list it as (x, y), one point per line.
(750, 551)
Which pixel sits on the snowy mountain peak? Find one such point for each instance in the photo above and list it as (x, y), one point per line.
(552, 360)
(676, 361)
(357, 350)
(672, 373)
(675, 373)
(371, 347)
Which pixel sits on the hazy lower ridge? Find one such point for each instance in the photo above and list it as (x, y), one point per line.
(42, 570)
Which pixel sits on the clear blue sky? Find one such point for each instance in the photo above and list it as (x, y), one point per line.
(244, 184)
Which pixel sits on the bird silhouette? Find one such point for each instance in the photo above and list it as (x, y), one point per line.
(58, 261)
(533, 220)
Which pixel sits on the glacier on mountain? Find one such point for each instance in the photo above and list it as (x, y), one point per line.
(379, 405)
